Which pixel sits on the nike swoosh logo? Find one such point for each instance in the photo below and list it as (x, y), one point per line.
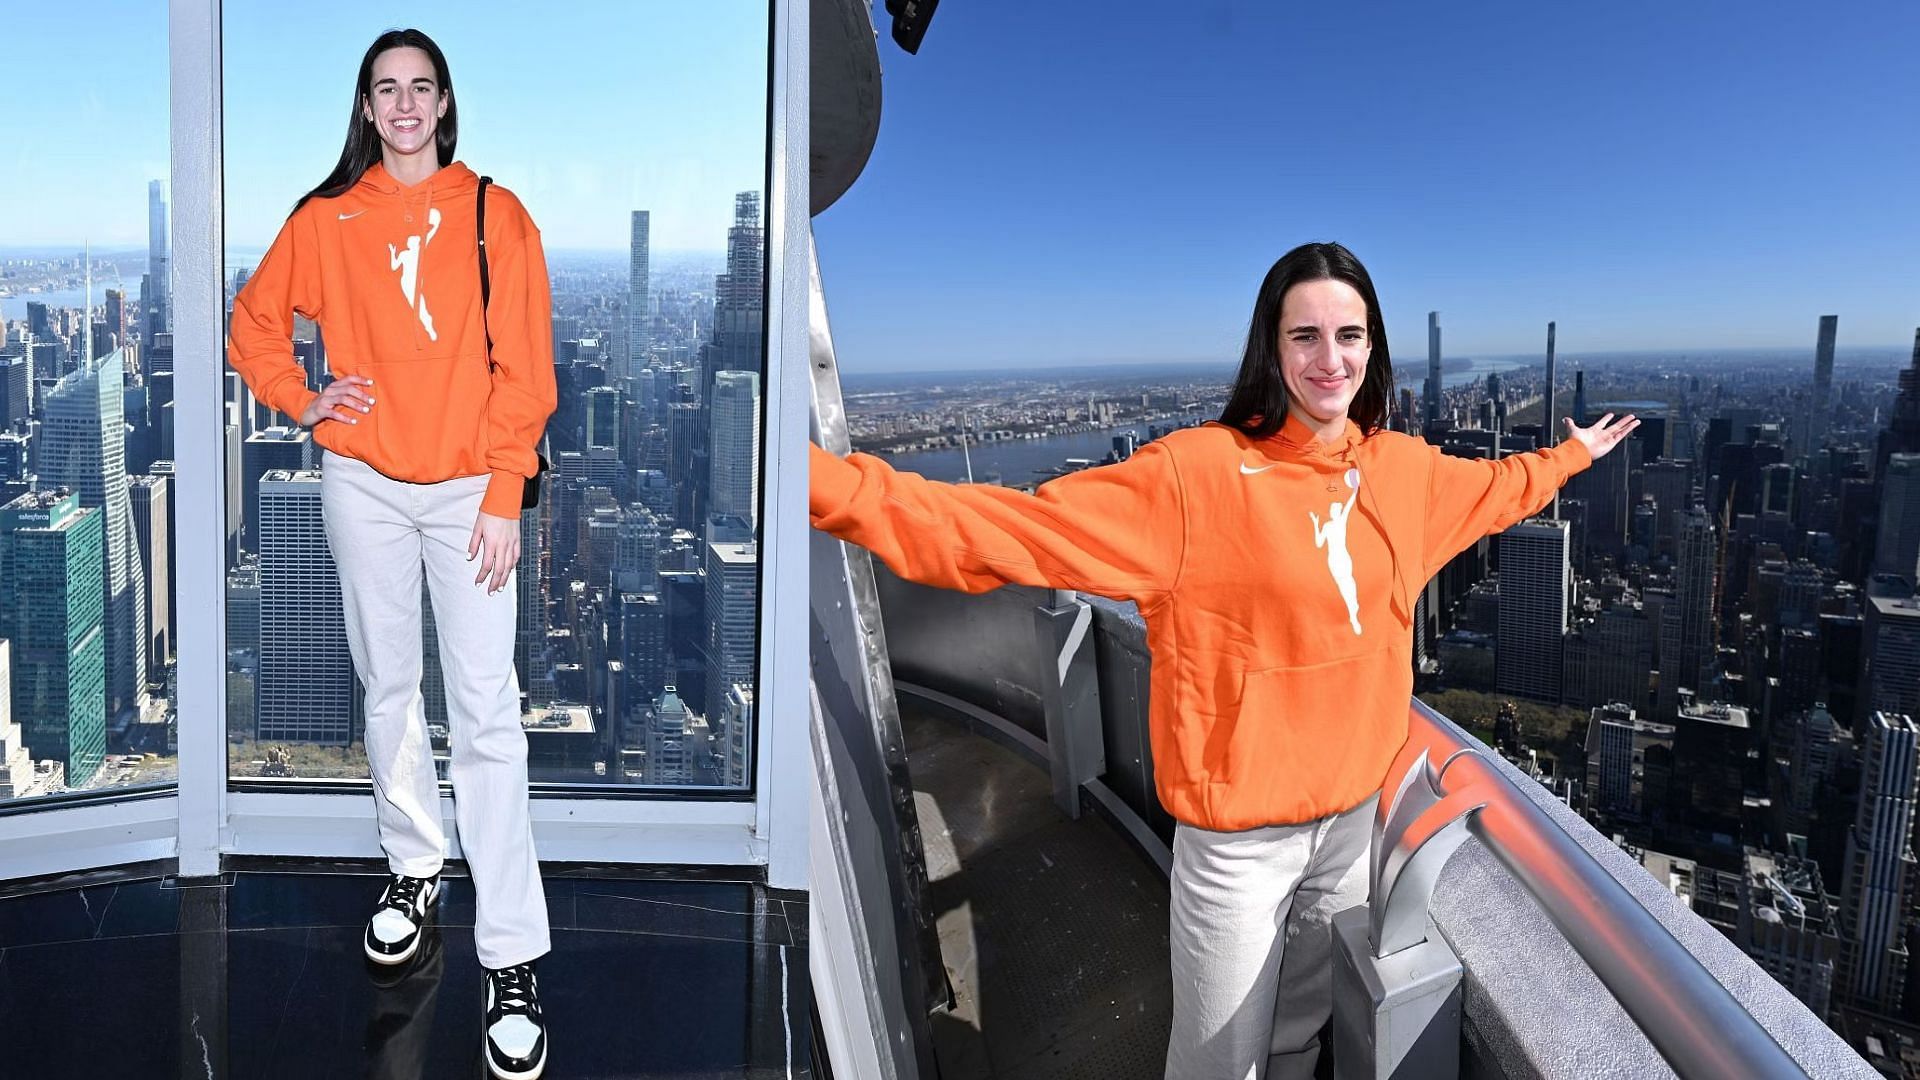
(355, 214)
(1244, 471)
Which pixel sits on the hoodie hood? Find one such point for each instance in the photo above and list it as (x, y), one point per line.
(1300, 441)
(454, 177)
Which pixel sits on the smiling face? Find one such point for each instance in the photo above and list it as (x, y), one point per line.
(1324, 345)
(405, 101)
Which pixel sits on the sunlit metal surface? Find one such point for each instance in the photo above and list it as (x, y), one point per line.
(1700, 1028)
(873, 831)
(1414, 834)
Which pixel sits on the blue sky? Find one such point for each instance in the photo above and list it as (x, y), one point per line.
(657, 106)
(1060, 183)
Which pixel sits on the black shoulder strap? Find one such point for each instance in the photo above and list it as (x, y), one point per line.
(486, 284)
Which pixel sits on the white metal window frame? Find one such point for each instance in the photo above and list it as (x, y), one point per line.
(203, 822)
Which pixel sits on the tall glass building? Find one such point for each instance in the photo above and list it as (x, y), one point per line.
(51, 609)
(83, 448)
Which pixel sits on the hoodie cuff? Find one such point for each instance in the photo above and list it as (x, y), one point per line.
(831, 482)
(505, 490)
(292, 409)
(1572, 456)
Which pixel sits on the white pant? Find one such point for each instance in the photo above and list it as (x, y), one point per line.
(383, 532)
(1252, 942)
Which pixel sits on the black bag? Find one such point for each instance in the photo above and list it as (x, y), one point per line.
(530, 497)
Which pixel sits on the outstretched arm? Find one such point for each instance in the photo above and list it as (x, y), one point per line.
(1118, 530)
(1469, 498)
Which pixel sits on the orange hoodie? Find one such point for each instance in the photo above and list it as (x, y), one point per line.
(392, 275)
(1278, 598)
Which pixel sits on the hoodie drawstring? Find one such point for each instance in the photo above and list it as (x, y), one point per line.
(1398, 600)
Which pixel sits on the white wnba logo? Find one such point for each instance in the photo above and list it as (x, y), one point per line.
(1333, 537)
(408, 263)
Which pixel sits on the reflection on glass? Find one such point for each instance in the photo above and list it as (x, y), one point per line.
(86, 435)
(639, 573)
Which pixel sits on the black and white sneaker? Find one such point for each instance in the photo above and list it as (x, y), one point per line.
(393, 934)
(516, 1037)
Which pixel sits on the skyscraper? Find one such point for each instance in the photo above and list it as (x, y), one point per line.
(1552, 419)
(1903, 427)
(285, 448)
(305, 692)
(243, 610)
(1822, 382)
(1814, 750)
(639, 318)
(39, 326)
(735, 461)
(1433, 371)
(667, 757)
(116, 319)
(1536, 588)
(1629, 761)
(1608, 656)
(1890, 655)
(152, 504)
(51, 610)
(16, 763)
(16, 389)
(160, 299)
(636, 555)
(1897, 550)
(1671, 485)
(1687, 623)
(732, 589)
(1580, 397)
(1879, 863)
(642, 635)
(530, 635)
(1709, 753)
(83, 448)
(739, 294)
(737, 717)
(603, 417)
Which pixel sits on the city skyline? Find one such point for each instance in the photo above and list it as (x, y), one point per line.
(1643, 190)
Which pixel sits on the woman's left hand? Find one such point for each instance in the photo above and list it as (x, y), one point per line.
(1602, 436)
(497, 541)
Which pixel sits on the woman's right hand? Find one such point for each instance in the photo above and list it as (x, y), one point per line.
(340, 400)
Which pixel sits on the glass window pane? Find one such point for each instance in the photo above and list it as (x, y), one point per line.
(86, 405)
(638, 150)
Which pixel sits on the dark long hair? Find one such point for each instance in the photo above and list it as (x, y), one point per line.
(1258, 405)
(363, 142)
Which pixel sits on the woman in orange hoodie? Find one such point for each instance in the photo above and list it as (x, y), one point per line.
(1275, 556)
(429, 426)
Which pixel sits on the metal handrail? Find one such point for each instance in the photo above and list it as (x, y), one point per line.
(1695, 1023)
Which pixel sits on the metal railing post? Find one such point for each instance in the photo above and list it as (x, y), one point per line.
(1396, 982)
(1076, 748)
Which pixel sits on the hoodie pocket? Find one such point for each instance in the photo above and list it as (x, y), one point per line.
(1297, 728)
(429, 419)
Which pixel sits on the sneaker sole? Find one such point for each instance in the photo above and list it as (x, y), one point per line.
(498, 1073)
(390, 959)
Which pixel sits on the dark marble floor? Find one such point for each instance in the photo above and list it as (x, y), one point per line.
(260, 975)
